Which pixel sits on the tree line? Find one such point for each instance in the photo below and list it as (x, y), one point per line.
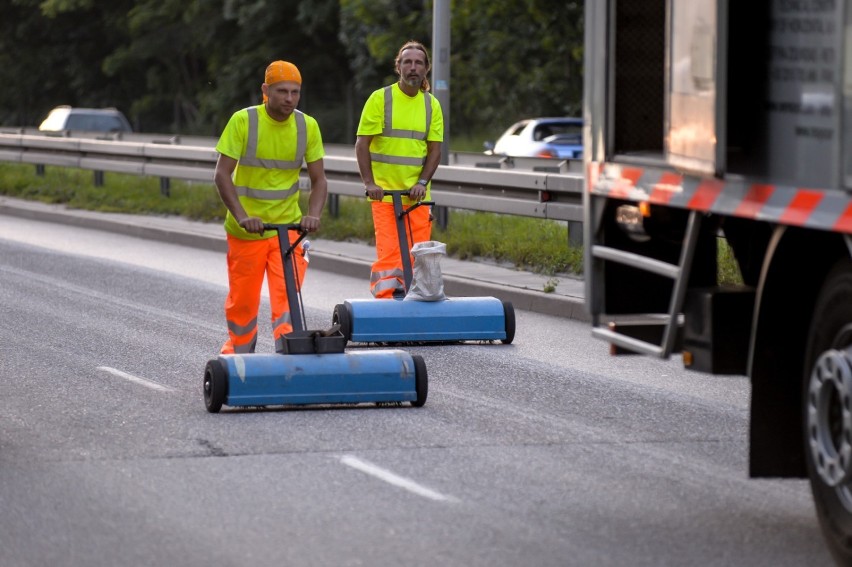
(184, 66)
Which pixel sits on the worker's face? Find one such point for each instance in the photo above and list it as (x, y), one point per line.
(412, 67)
(283, 98)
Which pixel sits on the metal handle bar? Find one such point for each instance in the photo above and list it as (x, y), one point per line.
(287, 227)
(294, 296)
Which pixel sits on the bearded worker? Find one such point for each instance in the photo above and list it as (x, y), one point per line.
(398, 148)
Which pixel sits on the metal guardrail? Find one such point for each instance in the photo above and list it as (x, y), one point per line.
(531, 187)
(473, 159)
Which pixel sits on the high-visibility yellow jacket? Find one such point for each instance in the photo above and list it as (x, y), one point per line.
(401, 126)
(270, 155)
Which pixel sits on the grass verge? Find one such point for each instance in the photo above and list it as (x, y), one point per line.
(536, 245)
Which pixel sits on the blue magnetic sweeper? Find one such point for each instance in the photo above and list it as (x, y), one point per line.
(310, 367)
(397, 321)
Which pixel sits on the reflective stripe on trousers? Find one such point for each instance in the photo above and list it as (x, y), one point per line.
(387, 276)
(248, 262)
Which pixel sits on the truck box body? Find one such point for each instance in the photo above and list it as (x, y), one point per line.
(714, 125)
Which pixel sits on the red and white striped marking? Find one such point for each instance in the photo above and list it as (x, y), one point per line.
(794, 206)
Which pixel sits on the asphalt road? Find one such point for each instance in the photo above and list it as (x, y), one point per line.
(544, 452)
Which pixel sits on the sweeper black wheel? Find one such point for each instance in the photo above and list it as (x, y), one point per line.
(342, 317)
(509, 315)
(421, 381)
(215, 385)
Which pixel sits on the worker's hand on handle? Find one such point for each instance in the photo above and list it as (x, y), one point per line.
(252, 224)
(417, 192)
(373, 191)
(310, 224)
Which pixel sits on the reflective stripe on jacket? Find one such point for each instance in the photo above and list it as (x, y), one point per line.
(389, 132)
(250, 159)
(269, 155)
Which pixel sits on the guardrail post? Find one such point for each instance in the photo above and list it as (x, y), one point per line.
(333, 205)
(165, 186)
(441, 215)
(99, 178)
(575, 234)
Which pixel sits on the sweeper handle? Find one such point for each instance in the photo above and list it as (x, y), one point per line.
(282, 230)
(294, 297)
(404, 212)
(399, 212)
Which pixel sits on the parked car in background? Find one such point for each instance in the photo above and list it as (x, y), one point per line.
(85, 120)
(560, 138)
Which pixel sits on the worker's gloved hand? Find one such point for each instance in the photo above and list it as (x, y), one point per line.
(252, 224)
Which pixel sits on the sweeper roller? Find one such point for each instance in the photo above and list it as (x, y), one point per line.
(311, 367)
(400, 321)
(301, 379)
(455, 319)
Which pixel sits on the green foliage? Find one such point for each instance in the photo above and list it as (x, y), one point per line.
(532, 244)
(371, 33)
(728, 271)
(119, 193)
(184, 66)
(518, 59)
(51, 53)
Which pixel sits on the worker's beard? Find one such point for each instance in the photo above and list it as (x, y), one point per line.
(413, 82)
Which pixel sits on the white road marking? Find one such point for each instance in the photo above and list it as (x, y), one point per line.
(394, 479)
(136, 379)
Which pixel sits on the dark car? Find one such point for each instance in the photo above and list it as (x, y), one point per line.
(560, 138)
(85, 120)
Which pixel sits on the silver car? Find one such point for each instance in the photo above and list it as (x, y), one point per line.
(85, 120)
(560, 138)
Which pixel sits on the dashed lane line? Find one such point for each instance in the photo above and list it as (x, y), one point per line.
(394, 479)
(136, 379)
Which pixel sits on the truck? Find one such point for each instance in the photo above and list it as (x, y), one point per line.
(715, 129)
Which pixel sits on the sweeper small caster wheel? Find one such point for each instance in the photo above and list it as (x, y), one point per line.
(421, 381)
(509, 315)
(215, 386)
(341, 316)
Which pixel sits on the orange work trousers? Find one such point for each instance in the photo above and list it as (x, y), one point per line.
(386, 278)
(248, 262)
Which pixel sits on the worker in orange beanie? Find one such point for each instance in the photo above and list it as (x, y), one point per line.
(261, 152)
(398, 148)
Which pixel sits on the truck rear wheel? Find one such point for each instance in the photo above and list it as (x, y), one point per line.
(828, 410)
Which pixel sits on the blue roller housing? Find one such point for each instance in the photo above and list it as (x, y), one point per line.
(276, 379)
(400, 321)
(455, 319)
